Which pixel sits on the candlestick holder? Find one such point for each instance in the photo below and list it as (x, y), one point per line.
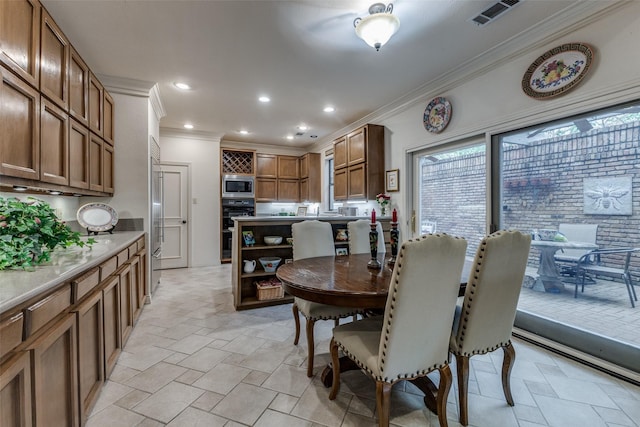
(395, 235)
(373, 244)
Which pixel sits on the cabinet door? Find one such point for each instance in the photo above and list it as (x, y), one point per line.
(15, 391)
(141, 282)
(20, 38)
(20, 145)
(112, 338)
(96, 163)
(357, 146)
(266, 190)
(54, 144)
(288, 190)
(11, 333)
(78, 88)
(135, 287)
(108, 117)
(78, 155)
(107, 168)
(266, 166)
(96, 105)
(90, 352)
(126, 307)
(54, 62)
(288, 167)
(304, 166)
(340, 184)
(304, 190)
(340, 152)
(55, 380)
(357, 182)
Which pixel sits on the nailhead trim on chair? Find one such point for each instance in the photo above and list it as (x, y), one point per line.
(472, 289)
(351, 313)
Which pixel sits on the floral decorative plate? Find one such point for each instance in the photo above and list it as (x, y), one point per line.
(557, 71)
(97, 217)
(437, 114)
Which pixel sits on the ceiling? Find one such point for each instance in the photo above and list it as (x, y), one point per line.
(303, 54)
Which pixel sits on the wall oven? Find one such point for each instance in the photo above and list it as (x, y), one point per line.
(238, 186)
(232, 208)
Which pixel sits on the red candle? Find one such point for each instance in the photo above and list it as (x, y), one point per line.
(373, 216)
(394, 215)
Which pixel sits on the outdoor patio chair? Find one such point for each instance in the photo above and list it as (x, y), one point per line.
(568, 258)
(599, 263)
(428, 227)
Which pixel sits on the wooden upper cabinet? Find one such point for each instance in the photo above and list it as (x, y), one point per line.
(304, 166)
(54, 62)
(108, 117)
(96, 105)
(357, 146)
(288, 167)
(107, 168)
(78, 88)
(340, 153)
(288, 190)
(54, 144)
(96, 163)
(340, 191)
(78, 155)
(20, 142)
(266, 189)
(266, 165)
(357, 181)
(20, 38)
(311, 178)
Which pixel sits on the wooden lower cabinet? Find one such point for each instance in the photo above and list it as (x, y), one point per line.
(90, 352)
(141, 274)
(55, 375)
(126, 306)
(136, 308)
(15, 391)
(111, 321)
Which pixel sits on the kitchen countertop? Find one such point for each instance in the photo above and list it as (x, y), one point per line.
(18, 286)
(301, 218)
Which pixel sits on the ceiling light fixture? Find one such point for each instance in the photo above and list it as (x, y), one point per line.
(188, 126)
(303, 127)
(329, 109)
(264, 99)
(289, 137)
(244, 132)
(377, 28)
(182, 86)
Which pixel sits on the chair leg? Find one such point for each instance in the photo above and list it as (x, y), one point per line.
(383, 402)
(630, 290)
(507, 364)
(335, 364)
(462, 368)
(443, 392)
(296, 318)
(310, 346)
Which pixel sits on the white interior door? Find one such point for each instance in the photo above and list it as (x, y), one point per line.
(176, 216)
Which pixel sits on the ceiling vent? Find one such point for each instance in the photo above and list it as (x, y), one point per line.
(494, 11)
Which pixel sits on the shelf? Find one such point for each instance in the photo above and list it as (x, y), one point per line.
(258, 274)
(258, 247)
(253, 302)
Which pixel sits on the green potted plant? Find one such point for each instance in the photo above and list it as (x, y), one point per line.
(30, 231)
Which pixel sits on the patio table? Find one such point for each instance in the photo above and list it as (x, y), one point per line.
(549, 279)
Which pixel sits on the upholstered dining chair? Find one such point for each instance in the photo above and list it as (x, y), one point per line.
(412, 338)
(484, 321)
(314, 239)
(359, 236)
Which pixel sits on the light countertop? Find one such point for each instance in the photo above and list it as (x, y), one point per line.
(18, 286)
(302, 218)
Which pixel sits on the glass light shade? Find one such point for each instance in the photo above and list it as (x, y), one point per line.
(377, 29)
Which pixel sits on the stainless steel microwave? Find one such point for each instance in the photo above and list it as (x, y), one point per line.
(240, 186)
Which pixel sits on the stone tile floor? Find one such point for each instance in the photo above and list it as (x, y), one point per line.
(192, 360)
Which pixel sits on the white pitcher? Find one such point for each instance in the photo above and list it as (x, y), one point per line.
(249, 265)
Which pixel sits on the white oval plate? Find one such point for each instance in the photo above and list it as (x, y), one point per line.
(97, 217)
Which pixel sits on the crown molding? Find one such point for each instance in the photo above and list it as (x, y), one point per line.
(156, 102)
(574, 17)
(126, 86)
(194, 135)
(271, 148)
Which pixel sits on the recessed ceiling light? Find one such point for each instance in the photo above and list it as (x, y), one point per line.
(289, 137)
(329, 109)
(303, 127)
(244, 132)
(188, 126)
(182, 86)
(264, 99)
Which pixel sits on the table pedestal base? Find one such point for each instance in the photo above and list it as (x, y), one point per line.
(425, 385)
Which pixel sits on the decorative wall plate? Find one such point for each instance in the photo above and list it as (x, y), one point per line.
(557, 71)
(437, 114)
(97, 217)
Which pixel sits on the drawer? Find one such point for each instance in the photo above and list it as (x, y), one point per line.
(11, 333)
(85, 283)
(123, 257)
(108, 267)
(140, 243)
(133, 249)
(42, 312)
